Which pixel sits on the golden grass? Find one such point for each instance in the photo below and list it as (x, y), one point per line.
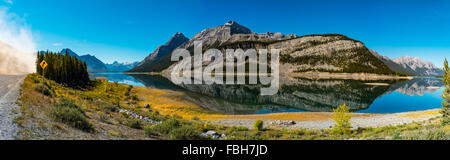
(420, 114)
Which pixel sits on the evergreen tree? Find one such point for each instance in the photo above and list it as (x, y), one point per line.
(63, 68)
(446, 95)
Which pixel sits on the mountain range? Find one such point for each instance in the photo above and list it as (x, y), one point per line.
(120, 67)
(419, 67)
(334, 53)
(93, 63)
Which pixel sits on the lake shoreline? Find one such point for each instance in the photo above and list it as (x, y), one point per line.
(323, 120)
(172, 102)
(310, 120)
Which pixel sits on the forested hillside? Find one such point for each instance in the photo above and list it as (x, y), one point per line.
(63, 68)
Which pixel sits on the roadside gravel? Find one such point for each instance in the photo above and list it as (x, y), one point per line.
(9, 92)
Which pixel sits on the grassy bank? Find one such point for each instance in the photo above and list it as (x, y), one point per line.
(105, 110)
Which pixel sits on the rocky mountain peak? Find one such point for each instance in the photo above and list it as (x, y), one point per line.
(69, 51)
(236, 28)
(414, 62)
(423, 68)
(150, 63)
(176, 40)
(229, 23)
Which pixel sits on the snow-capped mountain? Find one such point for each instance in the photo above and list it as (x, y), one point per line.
(420, 67)
(120, 67)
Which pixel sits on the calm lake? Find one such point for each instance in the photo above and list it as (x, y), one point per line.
(302, 95)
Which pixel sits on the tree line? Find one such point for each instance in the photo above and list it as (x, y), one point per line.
(63, 68)
(446, 95)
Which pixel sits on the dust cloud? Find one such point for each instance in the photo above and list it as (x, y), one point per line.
(17, 48)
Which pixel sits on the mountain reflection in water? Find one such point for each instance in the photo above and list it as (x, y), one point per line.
(301, 94)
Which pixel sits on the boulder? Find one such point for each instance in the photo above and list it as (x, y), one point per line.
(213, 135)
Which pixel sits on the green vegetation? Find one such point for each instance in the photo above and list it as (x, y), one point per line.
(66, 111)
(93, 113)
(166, 126)
(446, 95)
(173, 129)
(341, 117)
(133, 123)
(259, 125)
(63, 69)
(185, 133)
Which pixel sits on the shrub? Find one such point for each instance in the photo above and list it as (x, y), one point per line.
(236, 129)
(133, 123)
(436, 134)
(259, 125)
(124, 115)
(195, 118)
(134, 97)
(429, 134)
(150, 131)
(167, 126)
(341, 117)
(129, 88)
(185, 133)
(109, 108)
(65, 111)
(104, 117)
(44, 89)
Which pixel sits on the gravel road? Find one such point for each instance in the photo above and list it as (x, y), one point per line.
(9, 92)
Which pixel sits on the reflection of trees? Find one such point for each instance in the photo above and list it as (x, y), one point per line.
(297, 94)
(304, 94)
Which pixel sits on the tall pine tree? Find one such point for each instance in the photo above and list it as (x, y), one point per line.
(446, 95)
(63, 68)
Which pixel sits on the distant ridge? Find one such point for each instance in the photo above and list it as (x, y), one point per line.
(120, 67)
(394, 65)
(420, 67)
(93, 63)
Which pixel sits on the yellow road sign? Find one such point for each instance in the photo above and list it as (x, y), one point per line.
(43, 64)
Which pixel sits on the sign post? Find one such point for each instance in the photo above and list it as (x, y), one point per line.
(43, 65)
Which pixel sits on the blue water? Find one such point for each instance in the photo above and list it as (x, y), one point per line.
(318, 96)
(398, 102)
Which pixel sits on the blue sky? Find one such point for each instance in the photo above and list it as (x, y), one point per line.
(128, 30)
